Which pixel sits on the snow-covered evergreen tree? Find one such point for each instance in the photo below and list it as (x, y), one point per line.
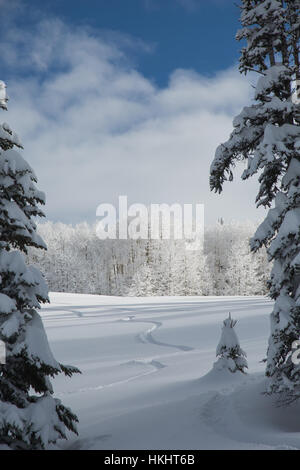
(30, 417)
(267, 134)
(229, 352)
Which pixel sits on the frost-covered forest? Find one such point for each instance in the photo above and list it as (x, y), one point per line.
(77, 261)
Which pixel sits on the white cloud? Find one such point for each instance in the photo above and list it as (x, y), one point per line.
(94, 128)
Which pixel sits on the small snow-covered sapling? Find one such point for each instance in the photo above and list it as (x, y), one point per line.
(230, 354)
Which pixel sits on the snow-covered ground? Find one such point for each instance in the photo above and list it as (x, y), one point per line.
(146, 378)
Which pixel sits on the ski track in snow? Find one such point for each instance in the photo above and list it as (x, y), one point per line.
(146, 337)
(156, 365)
(212, 412)
(111, 311)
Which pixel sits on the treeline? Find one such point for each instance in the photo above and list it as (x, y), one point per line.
(77, 261)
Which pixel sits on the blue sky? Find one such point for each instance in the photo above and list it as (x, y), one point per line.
(188, 34)
(125, 97)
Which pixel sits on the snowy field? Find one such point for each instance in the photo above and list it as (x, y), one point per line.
(146, 380)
